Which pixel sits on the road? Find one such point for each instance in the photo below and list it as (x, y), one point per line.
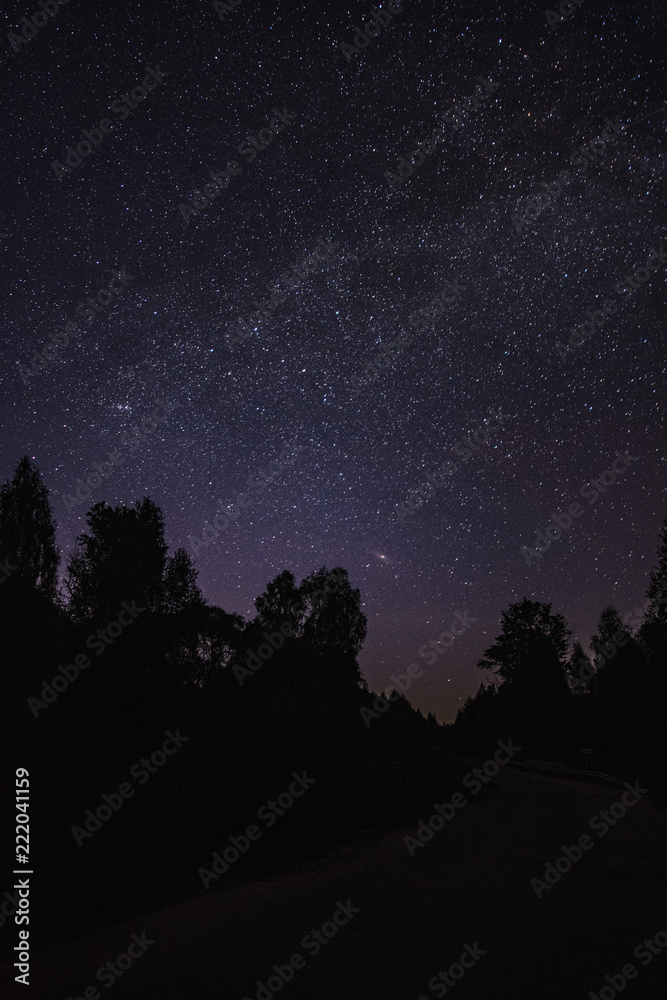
(469, 885)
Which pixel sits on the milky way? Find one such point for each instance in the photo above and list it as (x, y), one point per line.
(434, 306)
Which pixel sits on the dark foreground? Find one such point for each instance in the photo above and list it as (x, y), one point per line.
(470, 885)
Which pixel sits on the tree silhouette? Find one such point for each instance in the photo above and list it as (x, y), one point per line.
(280, 603)
(619, 659)
(656, 611)
(123, 558)
(529, 658)
(333, 615)
(180, 589)
(610, 633)
(580, 670)
(325, 610)
(529, 631)
(219, 638)
(652, 634)
(27, 531)
(300, 702)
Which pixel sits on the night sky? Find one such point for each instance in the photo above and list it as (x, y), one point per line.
(294, 380)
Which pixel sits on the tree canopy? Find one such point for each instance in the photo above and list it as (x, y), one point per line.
(530, 632)
(27, 529)
(324, 609)
(122, 557)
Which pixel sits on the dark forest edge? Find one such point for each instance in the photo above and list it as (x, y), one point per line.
(157, 727)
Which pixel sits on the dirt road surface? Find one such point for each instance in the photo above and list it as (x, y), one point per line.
(470, 885)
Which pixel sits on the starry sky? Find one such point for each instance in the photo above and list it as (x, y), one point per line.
(294, 380)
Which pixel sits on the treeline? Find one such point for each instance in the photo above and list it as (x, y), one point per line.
(154, 725)
(104, 657)
(555, 698)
